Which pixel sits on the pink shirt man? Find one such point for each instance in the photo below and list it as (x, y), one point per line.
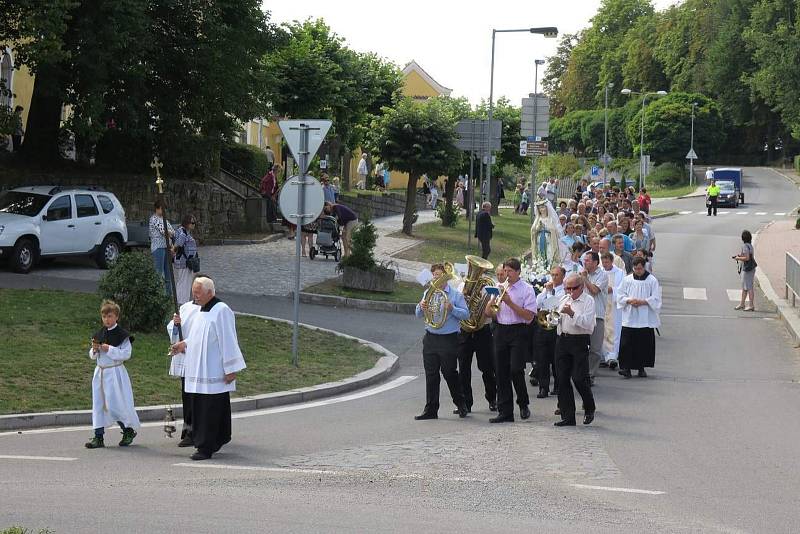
(523, 295)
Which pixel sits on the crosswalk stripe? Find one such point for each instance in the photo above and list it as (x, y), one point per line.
(694, 293)
(780, 213)
(761, 213)
(685, 212)
(742, 213)
(734, 294)
(722, 212)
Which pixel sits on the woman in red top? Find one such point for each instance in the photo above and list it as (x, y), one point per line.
(644, 200)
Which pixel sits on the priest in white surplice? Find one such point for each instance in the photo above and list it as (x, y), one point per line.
(185, 317)
(212, 360)
(639, 298)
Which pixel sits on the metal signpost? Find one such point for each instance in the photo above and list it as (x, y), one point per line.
(301, 199)
(535, 124)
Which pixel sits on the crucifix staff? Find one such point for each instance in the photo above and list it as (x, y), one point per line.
(157, 165)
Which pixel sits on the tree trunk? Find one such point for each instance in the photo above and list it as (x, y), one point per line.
(44, 117)
(411, 202)
(347, 155)
(493, 195)
(449, 190)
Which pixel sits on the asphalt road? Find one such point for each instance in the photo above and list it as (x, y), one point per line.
(706, 444)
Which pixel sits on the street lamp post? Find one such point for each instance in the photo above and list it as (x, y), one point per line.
(609, 85)
(536, 64)
(549, 32)
(691, 149)
(642, 166)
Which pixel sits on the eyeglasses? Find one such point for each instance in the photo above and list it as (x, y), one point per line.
(573, 288)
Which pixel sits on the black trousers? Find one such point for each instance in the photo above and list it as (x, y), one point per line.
(479, 343)
(211, 421)
(712, 204)
(440, 355)
(16, 142)
(510, 355)
(186, 401)
(485, 249)
(545, 352)
(271, 211)
(572, 363)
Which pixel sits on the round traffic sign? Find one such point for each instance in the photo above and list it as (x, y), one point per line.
(301, 208)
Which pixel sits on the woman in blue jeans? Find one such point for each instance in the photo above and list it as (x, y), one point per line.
(158, 245)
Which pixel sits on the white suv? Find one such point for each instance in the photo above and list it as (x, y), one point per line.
(46, 222)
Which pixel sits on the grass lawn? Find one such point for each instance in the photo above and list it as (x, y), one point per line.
(666, 192)
(511, 237)
(404, 292)
(44, 362)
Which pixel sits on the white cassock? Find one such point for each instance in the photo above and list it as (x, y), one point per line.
(611, 340)
(112, 396)
(187, 312)
(212, 351)
(641, 316)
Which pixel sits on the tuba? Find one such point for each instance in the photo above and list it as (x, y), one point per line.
(476, 297)
(436, 300)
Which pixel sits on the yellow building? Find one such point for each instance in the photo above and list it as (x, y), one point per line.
(18, 82)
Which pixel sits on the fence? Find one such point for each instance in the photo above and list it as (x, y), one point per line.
(792, 277)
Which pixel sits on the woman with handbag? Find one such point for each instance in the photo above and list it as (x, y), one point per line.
(187, 261)
(748, 269)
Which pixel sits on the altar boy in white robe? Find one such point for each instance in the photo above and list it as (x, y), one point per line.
(212, 360)
(184, 317)
(613, 323)
(112, 396)
(639, 298)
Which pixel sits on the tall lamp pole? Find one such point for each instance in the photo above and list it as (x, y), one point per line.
(691, 149)
(549, 32)
(609, 85)
(642, 166)
(536, 64)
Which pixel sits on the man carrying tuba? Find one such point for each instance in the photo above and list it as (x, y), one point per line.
(443, 308)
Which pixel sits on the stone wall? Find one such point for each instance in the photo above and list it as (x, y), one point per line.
(218, 211)
(380, 205)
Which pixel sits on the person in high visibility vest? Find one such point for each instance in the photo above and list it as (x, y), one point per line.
(712, 194)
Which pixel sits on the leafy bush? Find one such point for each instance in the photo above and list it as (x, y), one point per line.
(247, 157)
(133, 283)
(362, 251)
(667, 175)
(448, 213)
(797, 164)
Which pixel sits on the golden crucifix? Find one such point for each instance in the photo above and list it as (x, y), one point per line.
(159, 181)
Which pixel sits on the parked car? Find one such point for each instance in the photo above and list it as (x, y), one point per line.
(49, 222)
(728, 196)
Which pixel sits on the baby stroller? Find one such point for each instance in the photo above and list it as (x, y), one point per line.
(328, 239)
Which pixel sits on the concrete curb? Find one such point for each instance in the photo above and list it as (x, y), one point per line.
(361, 304)
(386, 365)
(786, 311)
(222, 242)
(662, 215)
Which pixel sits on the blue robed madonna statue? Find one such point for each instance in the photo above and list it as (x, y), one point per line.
(546, 234)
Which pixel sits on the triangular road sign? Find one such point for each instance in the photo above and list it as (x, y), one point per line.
(692, 154)
(318, 128)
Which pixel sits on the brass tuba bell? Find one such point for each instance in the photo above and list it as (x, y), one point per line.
(436, 300)
(476, 297)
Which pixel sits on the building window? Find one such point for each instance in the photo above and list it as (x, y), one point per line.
(6, 77)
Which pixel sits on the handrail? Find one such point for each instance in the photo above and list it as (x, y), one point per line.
(239, 179)
(239, 172)
(792, 277)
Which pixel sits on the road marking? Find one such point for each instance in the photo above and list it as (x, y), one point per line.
(780, 213)
(686, 212)
(742, 213)
(43, 458)
(722, 212)
(734, 294)
(258, 468)
(623, 490)
(694, 293)
(761, 213)
(397, 382)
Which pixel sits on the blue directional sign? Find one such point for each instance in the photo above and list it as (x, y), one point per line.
(595, 170)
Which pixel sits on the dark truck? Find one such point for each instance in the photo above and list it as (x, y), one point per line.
(735, 175)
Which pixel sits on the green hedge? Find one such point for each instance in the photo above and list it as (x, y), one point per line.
(668, 175)
(250, 158)
(797, 164)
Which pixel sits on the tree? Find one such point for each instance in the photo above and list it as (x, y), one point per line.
(415, 137)
(556, 68)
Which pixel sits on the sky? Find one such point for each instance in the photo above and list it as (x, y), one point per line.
(450, 39)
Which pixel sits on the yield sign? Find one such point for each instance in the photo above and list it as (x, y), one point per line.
(292, 130)
(691, 155)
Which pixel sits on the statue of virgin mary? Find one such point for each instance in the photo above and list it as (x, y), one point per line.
(546, 234)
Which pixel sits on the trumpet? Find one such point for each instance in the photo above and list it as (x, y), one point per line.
(549, 316)
(496, 303)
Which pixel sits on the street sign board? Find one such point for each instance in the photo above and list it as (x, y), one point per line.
(312, 201)
(537, 108)
(291, 129)
(595, 170)
(692, 154)
(523, 148)
(605, 159)
(473, 135)
(537, 148)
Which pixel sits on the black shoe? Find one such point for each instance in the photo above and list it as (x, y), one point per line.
(426, 415)
(612, 365)
(492, 406)
(565, 422)
(588, 418)
(200, 455)
(554, 393)
(462, 411)
(457, 411)
(524, 412)
(625, 372)
(127, 437)
(642, 373)
(557, 411)
(542, 393)
(502, 419)
(186, 442)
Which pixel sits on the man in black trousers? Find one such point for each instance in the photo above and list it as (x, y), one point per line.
(483, 228)
(545, 340)
(481, 344)
(575, 328)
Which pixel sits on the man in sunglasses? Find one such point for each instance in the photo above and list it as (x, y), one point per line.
(575, 327)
